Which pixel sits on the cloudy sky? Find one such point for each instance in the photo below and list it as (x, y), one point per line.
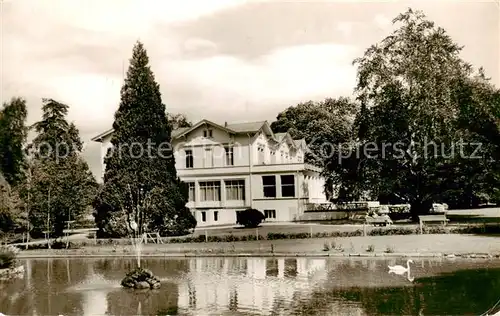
(225, 60)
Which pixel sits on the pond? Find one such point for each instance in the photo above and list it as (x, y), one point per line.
(255, 286)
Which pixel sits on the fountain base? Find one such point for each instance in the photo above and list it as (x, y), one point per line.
(141, 278)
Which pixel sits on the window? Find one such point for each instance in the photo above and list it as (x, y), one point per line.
(191, 187)
(210, 191)
(207, 133)
(216, 216)
(208, 158)
(229, 156)
(288, 186)
(299, 158)
(189, 159)
(235, 190)
(203, 216)
(270, 213)
(269, 185)
(260, 150)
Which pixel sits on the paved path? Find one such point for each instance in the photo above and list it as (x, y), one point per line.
(480, 212)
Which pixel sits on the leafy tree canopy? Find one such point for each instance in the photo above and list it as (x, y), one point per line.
(13, 132)
(418, 103)
(60, 184)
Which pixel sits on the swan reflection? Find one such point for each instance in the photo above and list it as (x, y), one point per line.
(401, 270)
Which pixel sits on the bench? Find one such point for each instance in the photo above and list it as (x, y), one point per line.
(379, 221)
(441, 218)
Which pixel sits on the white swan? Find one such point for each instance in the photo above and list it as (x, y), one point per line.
(400, 269)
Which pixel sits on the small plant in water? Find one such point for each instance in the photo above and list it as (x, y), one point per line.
(389, 249)
(371, 248)
(352, 247)
(333, 244)
(326, 246)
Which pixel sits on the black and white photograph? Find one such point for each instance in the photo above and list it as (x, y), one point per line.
(249, 157)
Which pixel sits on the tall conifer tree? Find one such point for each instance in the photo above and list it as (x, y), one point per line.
(140, 181)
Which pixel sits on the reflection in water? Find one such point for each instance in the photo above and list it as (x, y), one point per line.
(266, 286)
(400, 270)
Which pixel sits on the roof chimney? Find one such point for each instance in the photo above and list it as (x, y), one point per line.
(225, 124)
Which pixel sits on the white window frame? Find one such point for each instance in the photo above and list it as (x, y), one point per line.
(264, 186)
(270, 214)
(235, 190)
(208, 156)
(287, 185)
(229, 155)
(209, 191)
(189, 161)
(192, 192)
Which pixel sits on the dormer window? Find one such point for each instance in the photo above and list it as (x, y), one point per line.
(207, 133)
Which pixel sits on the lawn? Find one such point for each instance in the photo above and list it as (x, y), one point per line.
(461, 217)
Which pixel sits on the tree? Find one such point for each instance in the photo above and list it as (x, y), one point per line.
(13, 132)
(140, 182)
(178, 121)
(408, 86)
(61, 184)
(12, 216)
(328, 129)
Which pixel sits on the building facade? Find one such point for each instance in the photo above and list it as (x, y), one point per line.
(232, 167)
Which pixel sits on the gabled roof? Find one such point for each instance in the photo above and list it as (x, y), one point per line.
(279, 136)
(235, 128)
(247, 127)
(100, 137)
(301, 143)
(200, 123)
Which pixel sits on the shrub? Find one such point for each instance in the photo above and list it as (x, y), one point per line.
(250, 218)
(8, 255)
(391, 231)
(371, 248)
(58, 245)
(389, 249)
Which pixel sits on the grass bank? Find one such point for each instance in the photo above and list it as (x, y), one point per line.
(428, 245)
(252, 235)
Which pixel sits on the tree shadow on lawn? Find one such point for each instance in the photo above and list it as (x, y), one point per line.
(472, 219)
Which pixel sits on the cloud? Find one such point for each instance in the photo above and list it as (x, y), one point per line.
(123, 17)
(226, 60)
(284, 75)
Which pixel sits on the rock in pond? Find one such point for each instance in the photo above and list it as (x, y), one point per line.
(141, 279)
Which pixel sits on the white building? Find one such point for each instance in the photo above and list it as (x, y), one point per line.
(232, 167)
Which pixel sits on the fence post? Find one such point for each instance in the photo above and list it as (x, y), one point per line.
(364, 230)
(311, 231)
(206, 236)
(257, 233)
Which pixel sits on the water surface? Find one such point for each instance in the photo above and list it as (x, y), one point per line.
(254, 286)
